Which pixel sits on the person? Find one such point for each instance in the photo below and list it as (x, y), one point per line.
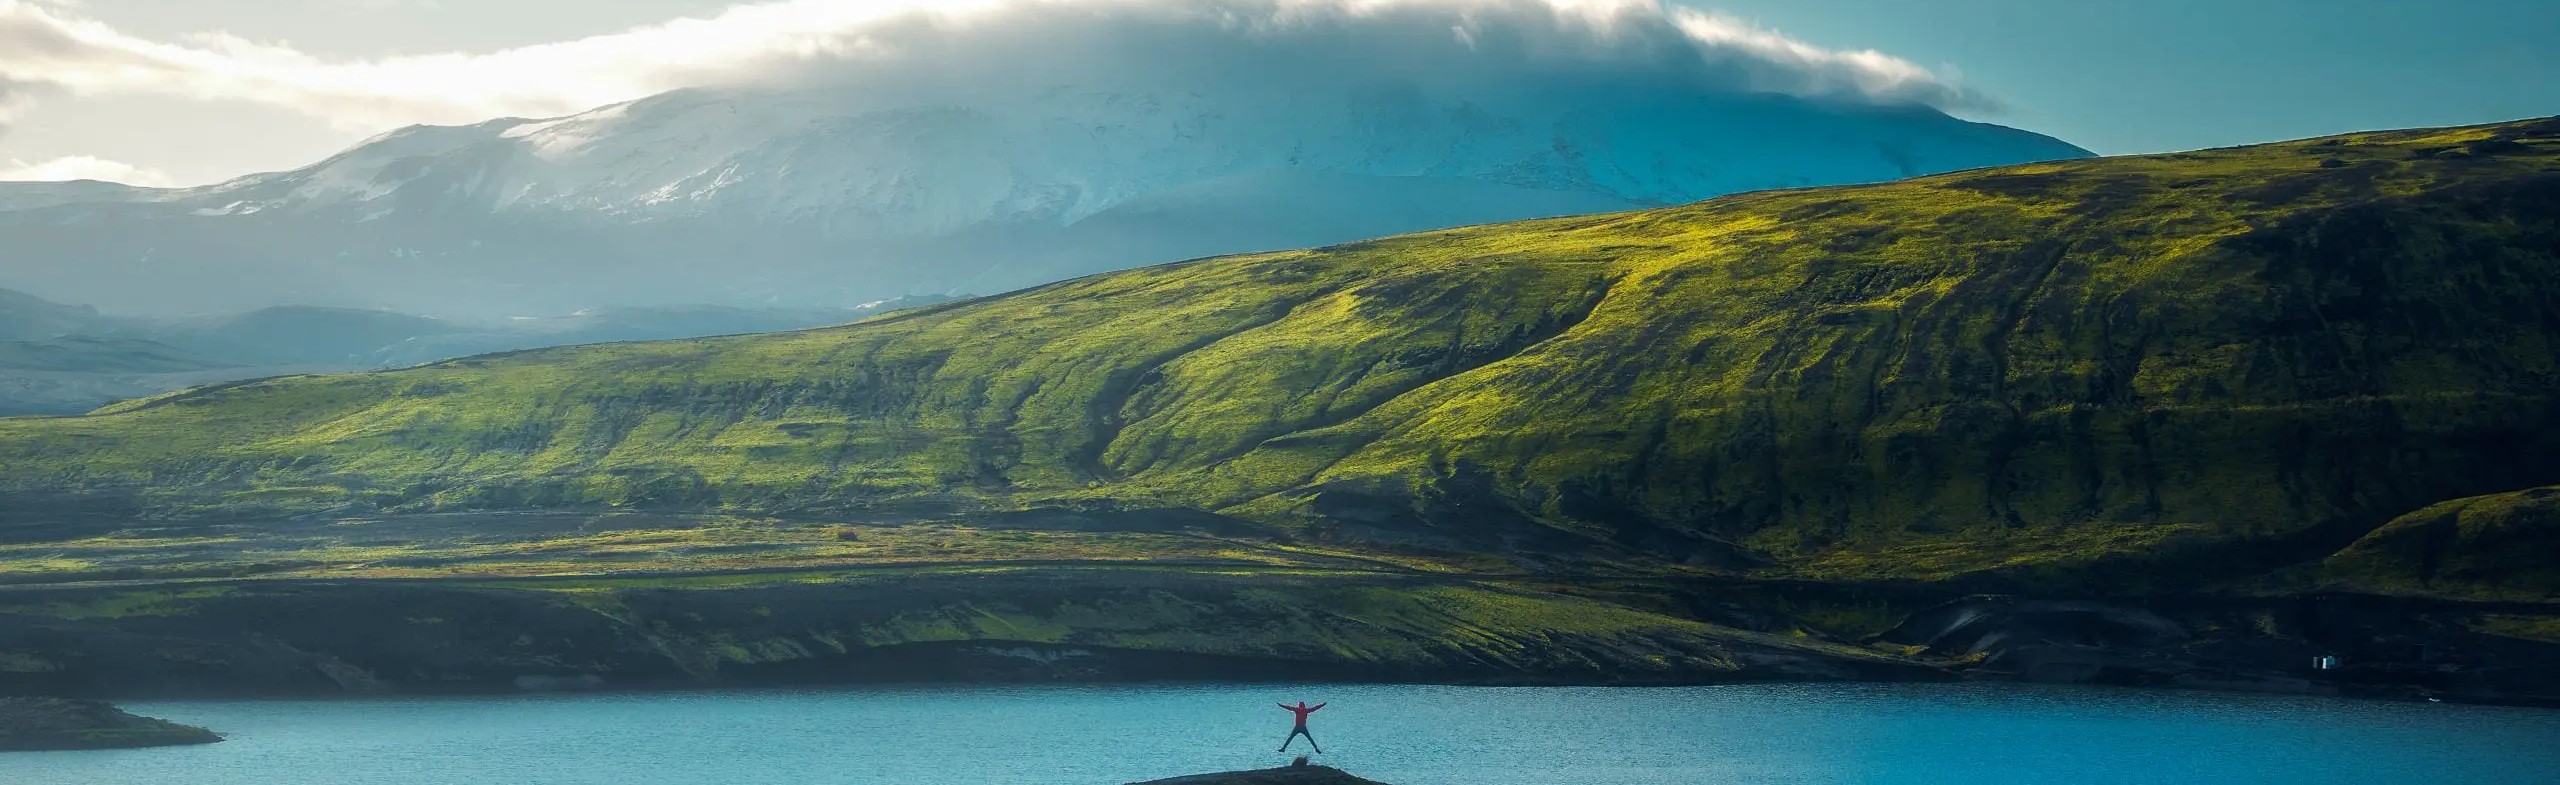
(1302, 710)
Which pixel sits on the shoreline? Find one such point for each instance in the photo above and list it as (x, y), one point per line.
(266, 640)
(1986, 685)
(1070, 734)
(31, 724)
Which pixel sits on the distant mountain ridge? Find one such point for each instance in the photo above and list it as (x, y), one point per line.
(25, 316)
(814, 197)
(65, 359)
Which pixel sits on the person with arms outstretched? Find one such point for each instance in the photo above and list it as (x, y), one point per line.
(1302, 710)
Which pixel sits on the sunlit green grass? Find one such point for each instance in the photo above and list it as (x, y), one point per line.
(1309, 618)
(2502, 546)
(710, 546)
(2033, 366)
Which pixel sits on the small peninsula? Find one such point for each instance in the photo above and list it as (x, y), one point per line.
(34, 724)
(1300, 774)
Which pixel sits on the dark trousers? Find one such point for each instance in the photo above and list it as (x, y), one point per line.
(1293, 738)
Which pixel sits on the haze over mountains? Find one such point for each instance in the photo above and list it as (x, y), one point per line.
(63, 359)
(986, 156)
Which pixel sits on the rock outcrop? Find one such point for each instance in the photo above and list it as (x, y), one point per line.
(1286, 775)
(28, 724)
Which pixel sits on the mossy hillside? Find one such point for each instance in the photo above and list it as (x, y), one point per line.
(881, 626)
(30, 724)
(2545, 629)
(476, 546)
(2494, 547)
(2050, 364)
(1309, 618)
(2108, 351)
(925, 404)
(160, 601)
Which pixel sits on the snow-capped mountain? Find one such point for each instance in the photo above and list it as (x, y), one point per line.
(831, 197)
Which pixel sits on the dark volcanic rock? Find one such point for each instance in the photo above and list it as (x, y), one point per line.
(1288, 775)
(314, 639)
(2384, 647)
(2049, 641)
(62, 724)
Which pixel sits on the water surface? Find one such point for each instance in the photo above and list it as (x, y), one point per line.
(1406, 735)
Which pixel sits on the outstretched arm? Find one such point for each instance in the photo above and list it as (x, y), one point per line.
(1287, 707)
(1318, 706)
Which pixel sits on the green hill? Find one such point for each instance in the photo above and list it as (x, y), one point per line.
(2494, 547)
(2110, 354)
(2117, 377)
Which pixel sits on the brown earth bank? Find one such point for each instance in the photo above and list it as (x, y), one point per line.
(324, 638)
(32, 724)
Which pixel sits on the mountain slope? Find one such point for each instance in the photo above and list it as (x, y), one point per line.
(2493, 547)
(817, 198)
(74, 374)
(25, 317)
(2180, 408)
(1994, 372)
(71, 359)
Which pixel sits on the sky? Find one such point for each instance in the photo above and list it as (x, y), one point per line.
(175, 92)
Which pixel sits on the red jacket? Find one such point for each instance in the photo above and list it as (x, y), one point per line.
(1302, 710)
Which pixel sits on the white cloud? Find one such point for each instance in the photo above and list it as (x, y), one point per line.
(81, 167)
(13, 97)
(970, 44)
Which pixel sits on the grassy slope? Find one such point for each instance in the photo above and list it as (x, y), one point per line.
(711, 629)
(2494, 547)
(2038, 365)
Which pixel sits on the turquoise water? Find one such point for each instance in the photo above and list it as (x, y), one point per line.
(1406, 735)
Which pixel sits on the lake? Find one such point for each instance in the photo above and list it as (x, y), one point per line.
(1406, 735)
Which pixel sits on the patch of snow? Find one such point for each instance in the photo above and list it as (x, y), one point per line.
(827, 196)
